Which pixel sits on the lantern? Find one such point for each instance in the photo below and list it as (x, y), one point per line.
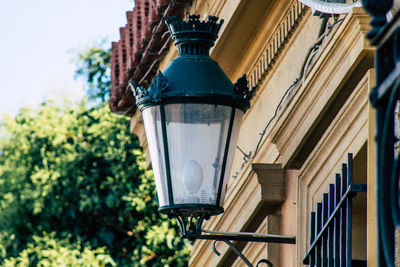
(192, 114)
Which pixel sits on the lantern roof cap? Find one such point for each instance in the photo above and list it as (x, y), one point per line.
(194, 29)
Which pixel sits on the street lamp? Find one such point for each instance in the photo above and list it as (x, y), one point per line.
(192, 114)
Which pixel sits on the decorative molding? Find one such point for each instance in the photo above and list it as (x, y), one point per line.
(277, 42)
(271, 179)
(326, 79)
(320, 168)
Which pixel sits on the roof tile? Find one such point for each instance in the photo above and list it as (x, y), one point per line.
(141, 47)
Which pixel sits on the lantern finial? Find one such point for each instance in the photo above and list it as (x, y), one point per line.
(193, 36)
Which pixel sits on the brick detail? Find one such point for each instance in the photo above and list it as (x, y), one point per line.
(141, 47)
(114, 66)
(122, 58)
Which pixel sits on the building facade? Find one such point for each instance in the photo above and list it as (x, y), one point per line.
(310, 126)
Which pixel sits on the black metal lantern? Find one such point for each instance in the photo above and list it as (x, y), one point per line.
(192, 114)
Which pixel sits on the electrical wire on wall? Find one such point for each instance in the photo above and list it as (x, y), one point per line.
(325, 30)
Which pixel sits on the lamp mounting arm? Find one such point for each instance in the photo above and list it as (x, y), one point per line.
(234, 236)
(191, 229)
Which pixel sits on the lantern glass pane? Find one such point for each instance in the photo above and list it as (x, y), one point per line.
(152, 123)
(197, 135)
(231, 151)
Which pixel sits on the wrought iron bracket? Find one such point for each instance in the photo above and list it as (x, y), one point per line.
(249, 237)
(191, 230)
(227, 237)
(240, 254)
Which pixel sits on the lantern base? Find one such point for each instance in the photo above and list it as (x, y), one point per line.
(191, 210)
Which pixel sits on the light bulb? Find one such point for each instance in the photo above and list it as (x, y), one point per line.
(192, 176)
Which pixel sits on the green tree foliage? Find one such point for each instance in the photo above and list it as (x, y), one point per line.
(79, 174)
(94, 67)
(51, 251)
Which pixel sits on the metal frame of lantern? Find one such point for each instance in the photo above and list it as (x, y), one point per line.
(193, 82)
(177, 85)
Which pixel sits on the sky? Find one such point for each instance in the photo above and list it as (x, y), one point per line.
(39, 41)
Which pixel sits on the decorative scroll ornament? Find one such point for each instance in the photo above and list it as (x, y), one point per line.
(138, 91)
(242, 92)
(157, 91)
(159, 87)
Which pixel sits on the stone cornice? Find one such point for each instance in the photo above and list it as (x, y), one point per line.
(337, 61)
(277, 42)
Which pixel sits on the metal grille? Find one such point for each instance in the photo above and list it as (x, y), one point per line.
(330, 224)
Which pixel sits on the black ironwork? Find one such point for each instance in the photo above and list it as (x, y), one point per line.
(240, 254)
(227, 145)
(384, 98)
(249, 237)
(331, 224)
(192, 230)
(166, 154)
